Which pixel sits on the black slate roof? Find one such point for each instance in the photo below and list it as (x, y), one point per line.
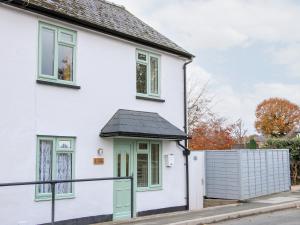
(106, 17)
(128, 123)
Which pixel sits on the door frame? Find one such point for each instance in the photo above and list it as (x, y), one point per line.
(116, 143)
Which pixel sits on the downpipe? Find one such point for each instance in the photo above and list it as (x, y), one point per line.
(185, 98)
(186, 152)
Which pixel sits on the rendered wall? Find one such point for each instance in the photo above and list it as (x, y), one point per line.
(197, 179)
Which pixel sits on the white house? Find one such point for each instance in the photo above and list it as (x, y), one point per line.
(89, 91)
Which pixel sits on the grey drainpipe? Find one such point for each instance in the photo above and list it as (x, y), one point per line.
(186, 151)
(185, 98)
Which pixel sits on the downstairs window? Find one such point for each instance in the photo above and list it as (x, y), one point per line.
(148, 165)
(55, 161)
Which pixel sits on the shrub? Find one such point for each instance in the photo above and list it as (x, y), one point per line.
(294, 146)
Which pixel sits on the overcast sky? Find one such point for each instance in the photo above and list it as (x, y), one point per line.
(249, 50)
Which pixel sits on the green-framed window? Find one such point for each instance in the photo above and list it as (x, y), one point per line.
(55, 161)
(57, 54)
(148, 165)
(147, 74)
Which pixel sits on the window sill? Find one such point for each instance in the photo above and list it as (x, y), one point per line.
(57, 84)
(150, 98)
(48, 198)
(149, 189)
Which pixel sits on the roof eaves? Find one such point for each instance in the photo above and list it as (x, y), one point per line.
(56, 15)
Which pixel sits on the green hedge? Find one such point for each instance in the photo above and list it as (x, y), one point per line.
(294, 146)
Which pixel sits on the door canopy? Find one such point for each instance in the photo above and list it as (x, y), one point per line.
(128, 123)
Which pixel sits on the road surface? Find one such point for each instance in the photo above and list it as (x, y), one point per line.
(285, 217)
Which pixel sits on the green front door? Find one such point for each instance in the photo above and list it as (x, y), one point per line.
(123, 154)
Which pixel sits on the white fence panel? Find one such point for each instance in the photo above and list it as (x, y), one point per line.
(244, 174)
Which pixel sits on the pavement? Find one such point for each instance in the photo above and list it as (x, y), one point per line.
(295, 188)
(284, 217)
(266, 204)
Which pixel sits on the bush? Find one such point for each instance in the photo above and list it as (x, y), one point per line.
(294, 146)
(251, 144)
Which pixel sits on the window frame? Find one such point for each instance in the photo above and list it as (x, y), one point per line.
(58, 31)
(55, 151)
(147, 62)
(150, 187)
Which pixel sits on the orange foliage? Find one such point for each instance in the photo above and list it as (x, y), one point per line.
(276, 117)
(211, 135)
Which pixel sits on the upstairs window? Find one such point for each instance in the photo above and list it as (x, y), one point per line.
(147, 74)
(57, 47)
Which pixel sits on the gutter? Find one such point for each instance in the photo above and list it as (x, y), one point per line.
(186, 152)
(142, 135)
(26, 5)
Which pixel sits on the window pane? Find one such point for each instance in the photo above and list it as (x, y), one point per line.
(141, 78)
(65, 63)
(142, 56)
(155, 164)
(64, 144)
(119, 166)
(66, 37)
(127, 165)
(154, 74)
(142, 170)
(45, 161)
(64, 172)
(47, 49)
(143, 146)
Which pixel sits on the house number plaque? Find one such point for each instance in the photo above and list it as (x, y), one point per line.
(98, 161)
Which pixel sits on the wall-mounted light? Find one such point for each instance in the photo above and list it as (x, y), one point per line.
(100, 151)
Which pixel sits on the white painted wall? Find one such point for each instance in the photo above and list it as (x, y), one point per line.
(197, 179)
(106, 74)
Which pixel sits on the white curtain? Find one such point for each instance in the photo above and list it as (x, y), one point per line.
(64, 172)
(46, 147)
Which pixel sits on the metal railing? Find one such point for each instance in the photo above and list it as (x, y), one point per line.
(54, 182)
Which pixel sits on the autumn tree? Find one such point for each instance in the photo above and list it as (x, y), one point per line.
(199, 104)
(212, 134)
(207, 129)
(276, 117)
(238, 132)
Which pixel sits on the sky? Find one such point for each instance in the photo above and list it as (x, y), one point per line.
(247, 50)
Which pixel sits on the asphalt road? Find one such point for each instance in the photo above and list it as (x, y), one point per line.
(286, 217)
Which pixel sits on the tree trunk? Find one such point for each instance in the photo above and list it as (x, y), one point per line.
(294, 171)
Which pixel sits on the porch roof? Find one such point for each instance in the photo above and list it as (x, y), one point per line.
(129, 123)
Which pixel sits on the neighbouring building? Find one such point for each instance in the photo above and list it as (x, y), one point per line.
(89, 91)
(297, 133)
